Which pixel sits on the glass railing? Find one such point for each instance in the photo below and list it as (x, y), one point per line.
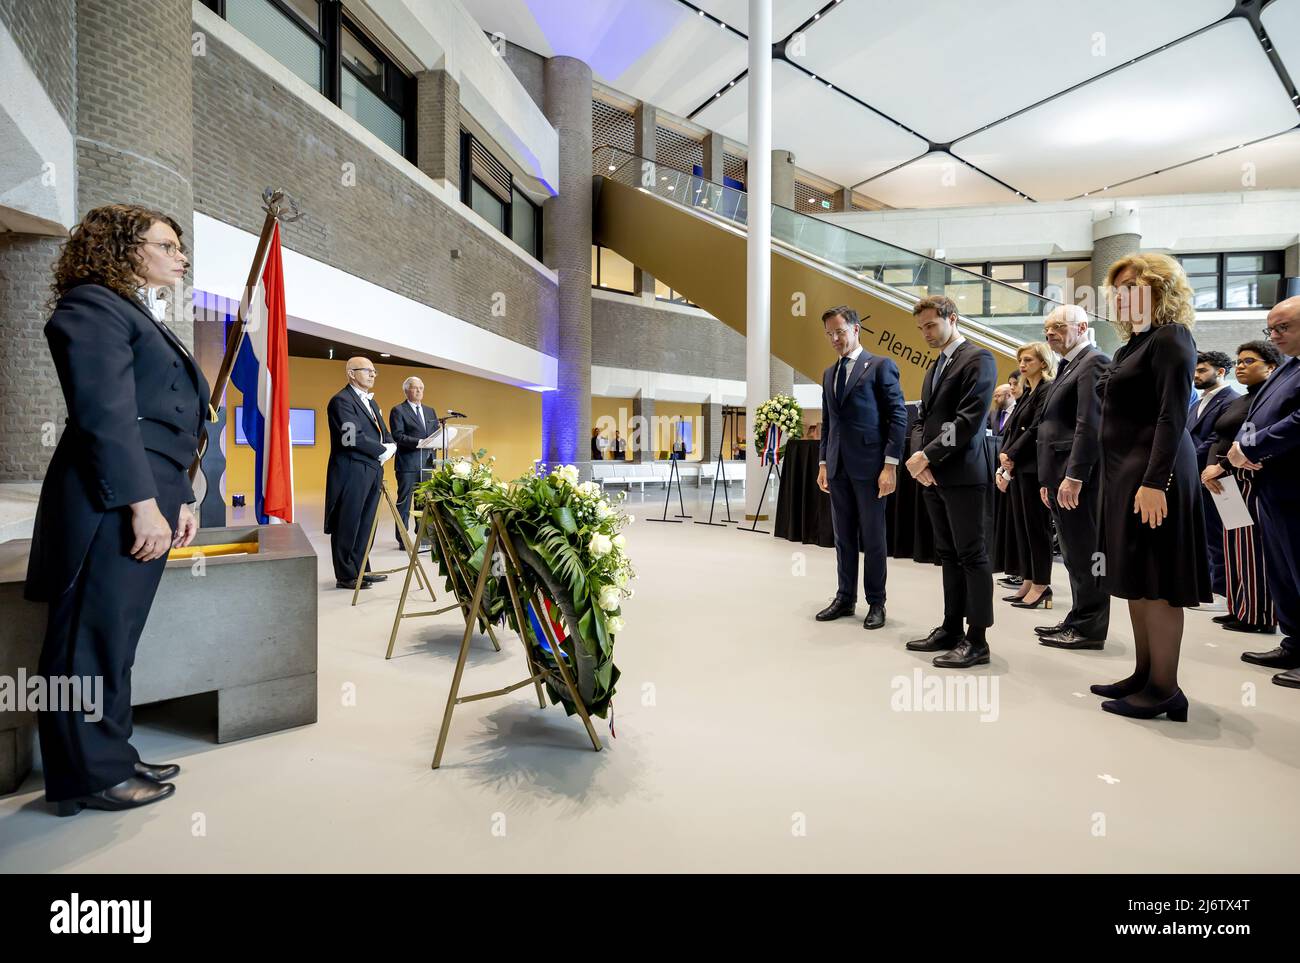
(1006, 312)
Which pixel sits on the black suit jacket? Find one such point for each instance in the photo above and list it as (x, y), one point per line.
(993, 421)
(950, 423)
(407, 434)
(1271, 434)
(1069, 422)
(356, 442)
(869, 421)
(1202, 428)
(1019, 437)
(131, 389)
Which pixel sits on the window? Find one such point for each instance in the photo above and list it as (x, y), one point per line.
(487, 204)
(487, 186)
(525, 224)
(664, 293)
(317, 41)
(1234, 282)
(611, 271)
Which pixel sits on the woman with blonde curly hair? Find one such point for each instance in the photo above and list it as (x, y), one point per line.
(116, 495)
(1151, 511)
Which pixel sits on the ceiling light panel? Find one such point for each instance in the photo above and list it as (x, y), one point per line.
(946, 68)
(828, 133)
(1211, 93)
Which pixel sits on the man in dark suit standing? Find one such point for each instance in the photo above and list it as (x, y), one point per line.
(359, 445)
(1004, 402)
(1210, 379)
(411, 422)
(1269, 443)
(950, 460)
(864, 421)
(1069, 447)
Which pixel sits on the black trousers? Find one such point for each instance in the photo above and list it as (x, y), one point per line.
(858, 518)
(957, 517)
(92, 631)
(1032, 523)
(1214, 543)
(406, 482)
(353, 517)
(1077, 528)
(1279, 529)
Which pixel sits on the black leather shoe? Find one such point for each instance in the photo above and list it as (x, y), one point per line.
(163, 773)
(964, 656)
(1011, 581)
(1175, 707)
(1289, 679)
(1235, 626)
(1071, 639)
(1278, 658)
(1012, 598)
(875, 617)
(129, 794)
(1050, 629)
(1118, 690)
(837, 609)
(351, 585)
(1224, 619)
(374, 578)
(937, 641)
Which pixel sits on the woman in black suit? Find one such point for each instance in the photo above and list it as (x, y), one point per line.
(1031, 520)
(116, 495)
(1151, 517)
(1250, 608)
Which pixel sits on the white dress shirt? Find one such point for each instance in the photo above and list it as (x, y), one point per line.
(853, 359)
(1206, 396)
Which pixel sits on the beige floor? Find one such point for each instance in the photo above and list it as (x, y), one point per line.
(749, 738)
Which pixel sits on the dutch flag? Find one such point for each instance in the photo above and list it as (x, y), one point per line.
(261, 373)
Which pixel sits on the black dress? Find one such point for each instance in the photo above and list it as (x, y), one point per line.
(1031, 520)
(1144, 441)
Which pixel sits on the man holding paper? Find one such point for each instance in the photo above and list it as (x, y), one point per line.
(359, 446)
(411, 422)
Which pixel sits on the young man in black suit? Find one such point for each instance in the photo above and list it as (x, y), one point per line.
(1211, 376)
(1069, 448)
(359, 445)
(864, 421)
(410, 422)
(949, 459)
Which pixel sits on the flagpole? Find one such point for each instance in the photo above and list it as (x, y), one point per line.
(279, 207)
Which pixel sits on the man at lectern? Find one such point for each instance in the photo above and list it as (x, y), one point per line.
(411, 422)
(359, 446)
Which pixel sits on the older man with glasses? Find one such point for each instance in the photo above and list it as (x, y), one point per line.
(1269, 444)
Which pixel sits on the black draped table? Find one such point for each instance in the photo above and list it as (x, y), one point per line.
(803, 511)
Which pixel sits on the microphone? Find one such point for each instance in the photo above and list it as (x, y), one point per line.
(453, 413)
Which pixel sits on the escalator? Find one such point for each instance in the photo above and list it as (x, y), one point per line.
(690, 234)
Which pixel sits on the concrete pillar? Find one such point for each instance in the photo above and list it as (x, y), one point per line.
(758, 242)
(438, 125)
(135, 130)
(641, 434)
(643, 140)
(1113, 238)
(711, 435)
(713, 157)
(566, 412)
(783, 178)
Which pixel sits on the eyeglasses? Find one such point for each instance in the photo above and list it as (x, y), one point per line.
(1282, 328)
(168, 248)
(370, 370)
(1242, 362)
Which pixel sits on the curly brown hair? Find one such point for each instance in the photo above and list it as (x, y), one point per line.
(104, 249)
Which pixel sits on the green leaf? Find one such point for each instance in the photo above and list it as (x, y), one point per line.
(563, 516)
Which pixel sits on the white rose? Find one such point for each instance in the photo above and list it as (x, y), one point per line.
(609, 598)
(620, 541)
(603, 511)
(615, 624)
(600, 545)
(461, 469)
(589, 488)
(569, 473)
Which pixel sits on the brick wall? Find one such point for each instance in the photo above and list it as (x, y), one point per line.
(43, 31)
(250, 133)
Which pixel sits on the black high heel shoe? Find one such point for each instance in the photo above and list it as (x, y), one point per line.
(128, 794)
(1120, 689)
(1012, 598)
(1175, 707)
(1044, 601)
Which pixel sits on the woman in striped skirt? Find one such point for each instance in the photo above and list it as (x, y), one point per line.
(1249, 607)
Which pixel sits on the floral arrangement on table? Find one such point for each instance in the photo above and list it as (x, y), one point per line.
(570, 540)
(569, 535)
(776, 421)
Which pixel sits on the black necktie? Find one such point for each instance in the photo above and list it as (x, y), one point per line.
(420, 412)
(1060, 372)
(939, 365)
(839, 377)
